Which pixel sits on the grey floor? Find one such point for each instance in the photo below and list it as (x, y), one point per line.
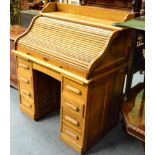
(28, 137)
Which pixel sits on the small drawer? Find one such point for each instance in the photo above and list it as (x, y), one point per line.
(71, 134)
(28, 103)
(74, 88)
(26, 91)
(24, 66)
(23, 73)
(73, 106)
(25, 80)
(72, 119)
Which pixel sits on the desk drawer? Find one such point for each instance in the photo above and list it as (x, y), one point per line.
(26, 91)
(28, 103)
(72, 105)
(74, 136)
(24, 66)
(72, 119)
(24, 73)
(25, 80)
(74, 88)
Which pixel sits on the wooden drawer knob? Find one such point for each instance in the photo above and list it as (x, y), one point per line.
(24, 80)
(72, 120)
(45, 58)
(24, 66)
(74, 90)
(71, 134)
(71, 106)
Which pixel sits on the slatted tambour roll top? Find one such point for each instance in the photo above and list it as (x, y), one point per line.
(74, 44)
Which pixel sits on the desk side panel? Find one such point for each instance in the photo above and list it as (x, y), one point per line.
(102, 109)
(116, 54)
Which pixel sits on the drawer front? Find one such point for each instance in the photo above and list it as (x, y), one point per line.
(26, 91)
(25, 80)
(72, 119)
(74, 88)
(24, 66)
(24, 73)
(28, 103)
(73, 106)
(71, 134)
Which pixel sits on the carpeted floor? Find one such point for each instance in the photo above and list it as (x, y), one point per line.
(28, 137)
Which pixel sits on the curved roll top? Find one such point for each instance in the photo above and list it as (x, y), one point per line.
(73, 44)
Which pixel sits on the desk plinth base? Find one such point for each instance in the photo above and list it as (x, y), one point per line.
(33, 115)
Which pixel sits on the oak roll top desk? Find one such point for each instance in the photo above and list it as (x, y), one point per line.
(72, 55)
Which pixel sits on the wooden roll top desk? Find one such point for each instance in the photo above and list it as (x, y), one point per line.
(72, 55)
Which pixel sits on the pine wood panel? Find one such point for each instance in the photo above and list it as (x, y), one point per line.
(99, 13)
(102, 108)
